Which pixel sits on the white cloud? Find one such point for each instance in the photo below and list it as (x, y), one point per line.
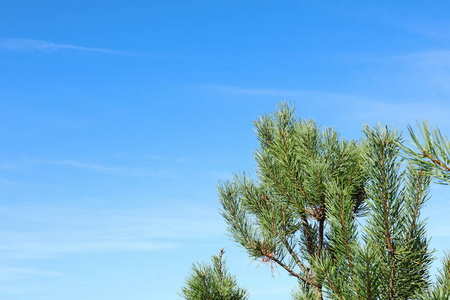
(428, 70)
(273, 92)
(43, 249)
(154, 170)
(95, 167)
(155, 157)
(350, 107)
(25, 280)
(98, 167)
(391, 17)
(37, 45)
(31, 289)
(17, 273)
(6, 181)
(436, 57)
(36, 232)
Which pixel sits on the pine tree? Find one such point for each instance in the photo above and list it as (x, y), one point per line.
(212, 282)
(283, 218)
(433, 154)
(388, 257)
(343, 217)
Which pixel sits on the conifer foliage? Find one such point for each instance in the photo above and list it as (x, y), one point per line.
(341, 216)
(283, 218)
(314, 191)
(433, 154)
(212, 282)
(388, 257)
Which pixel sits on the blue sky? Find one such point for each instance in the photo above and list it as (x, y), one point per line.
(118, 118)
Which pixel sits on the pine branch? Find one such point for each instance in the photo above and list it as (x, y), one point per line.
(433, 152)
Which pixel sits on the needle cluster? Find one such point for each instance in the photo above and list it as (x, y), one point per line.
(341, 216)
(212, 282)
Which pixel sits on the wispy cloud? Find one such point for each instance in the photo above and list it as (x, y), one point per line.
(272, 92)
(94, 167)
(6, 181)
(30, 289)
(17, 273)
(428, 69)
(432, 57)
(44, 46)
(48, 249)
(98, 167)
(390, 17)
(155, 157)
(198, 160)
(31, 232)
(113, 170)
(350, 107)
